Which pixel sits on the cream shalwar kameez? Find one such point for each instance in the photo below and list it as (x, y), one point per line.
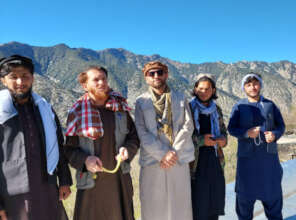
(164, 194)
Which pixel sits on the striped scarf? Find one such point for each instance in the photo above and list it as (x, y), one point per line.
(163, 109)
(84, 118)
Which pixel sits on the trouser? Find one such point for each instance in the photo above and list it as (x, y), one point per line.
(213, 217)
(273, 209)
(208, 187)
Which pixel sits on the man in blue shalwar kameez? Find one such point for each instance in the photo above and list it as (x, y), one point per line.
(257, 124)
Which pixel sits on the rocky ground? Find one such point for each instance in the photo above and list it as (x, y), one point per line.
(287, 147)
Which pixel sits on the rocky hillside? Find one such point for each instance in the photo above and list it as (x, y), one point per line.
(57, 68)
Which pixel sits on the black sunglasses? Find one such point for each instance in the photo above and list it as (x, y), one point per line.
(152, 73)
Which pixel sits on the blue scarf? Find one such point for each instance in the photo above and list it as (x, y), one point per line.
(7, 111)
(211, 110)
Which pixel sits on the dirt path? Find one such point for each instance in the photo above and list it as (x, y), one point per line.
(289, 139)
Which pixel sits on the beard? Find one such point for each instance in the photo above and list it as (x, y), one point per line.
(21, 96)
(99, 95)
(159, 85)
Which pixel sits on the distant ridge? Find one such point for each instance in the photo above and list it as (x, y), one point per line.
(59, 65)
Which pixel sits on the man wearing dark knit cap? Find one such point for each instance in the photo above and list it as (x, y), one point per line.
(164, 125)
(30, 149)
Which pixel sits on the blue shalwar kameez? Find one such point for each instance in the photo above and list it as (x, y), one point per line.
(259, 172)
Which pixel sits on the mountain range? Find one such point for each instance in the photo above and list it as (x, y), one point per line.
(57, 68)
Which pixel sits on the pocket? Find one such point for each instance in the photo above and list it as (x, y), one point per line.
(14, 152)
(178, 113)
(15, 177)
(84, 180)
(150, 118)
(121, 122)
(123, 128)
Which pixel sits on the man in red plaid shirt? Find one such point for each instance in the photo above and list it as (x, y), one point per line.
(100, 132)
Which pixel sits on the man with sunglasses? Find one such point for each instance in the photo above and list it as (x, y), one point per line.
(31, 158)
(164, 125)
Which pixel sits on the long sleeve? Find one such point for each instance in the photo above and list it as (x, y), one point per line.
(184, 133)
(74, 154)
(149, 142)
(198, 140)
(132, 141)
(279, 123)
(63, 171)
(223, 129)
(233, 126)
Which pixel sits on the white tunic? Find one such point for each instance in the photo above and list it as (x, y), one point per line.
(164, 194)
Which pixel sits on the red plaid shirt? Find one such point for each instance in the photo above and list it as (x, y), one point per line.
(84, 118)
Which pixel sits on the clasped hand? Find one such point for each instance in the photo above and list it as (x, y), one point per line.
(269, 136)
(169, 160)
(209, 141)
(255, 131)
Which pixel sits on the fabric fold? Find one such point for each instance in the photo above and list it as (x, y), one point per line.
(8, 111)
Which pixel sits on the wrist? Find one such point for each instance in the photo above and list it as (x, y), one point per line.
(247, 134)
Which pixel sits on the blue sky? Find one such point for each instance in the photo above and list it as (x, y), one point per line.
(194, 31)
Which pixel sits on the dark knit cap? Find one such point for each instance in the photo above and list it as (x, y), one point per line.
(15, 60)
